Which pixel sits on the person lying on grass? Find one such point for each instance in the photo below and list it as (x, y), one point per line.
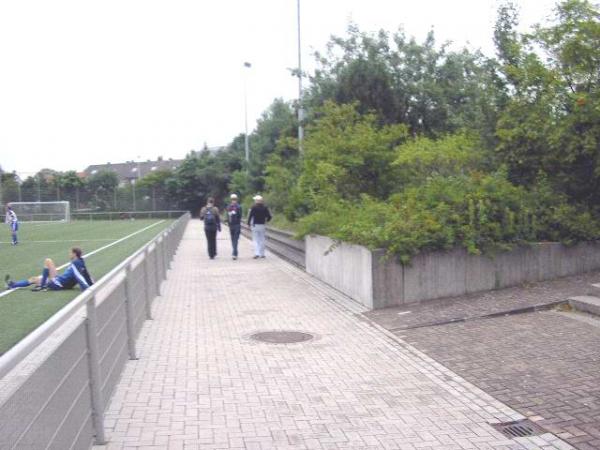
(76, 273)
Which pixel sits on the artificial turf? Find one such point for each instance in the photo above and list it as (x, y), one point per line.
(23, 310)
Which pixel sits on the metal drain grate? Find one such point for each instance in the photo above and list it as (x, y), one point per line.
(281, 337)
(519, 428)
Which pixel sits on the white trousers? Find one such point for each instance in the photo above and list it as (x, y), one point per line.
(259, 238)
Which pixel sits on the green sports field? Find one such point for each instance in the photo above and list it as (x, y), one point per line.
(22, 310)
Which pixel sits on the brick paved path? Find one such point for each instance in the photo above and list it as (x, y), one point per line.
(201, 383)
(544, 364)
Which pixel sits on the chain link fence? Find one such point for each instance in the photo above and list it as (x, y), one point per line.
(82, 199)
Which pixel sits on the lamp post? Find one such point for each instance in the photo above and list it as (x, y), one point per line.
(247, 65)
(300, 105)
(135, 181)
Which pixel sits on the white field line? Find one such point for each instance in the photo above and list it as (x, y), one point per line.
(98, 250)
(55, 242)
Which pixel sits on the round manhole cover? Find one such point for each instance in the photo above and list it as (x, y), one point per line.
(281, 337)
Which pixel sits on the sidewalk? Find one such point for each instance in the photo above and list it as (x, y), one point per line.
(201, 383)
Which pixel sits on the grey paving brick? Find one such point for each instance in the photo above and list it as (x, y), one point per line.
(201, 383)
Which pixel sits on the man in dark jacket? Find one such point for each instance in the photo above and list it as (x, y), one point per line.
(257, 219)
(234, 221)
(212, 223)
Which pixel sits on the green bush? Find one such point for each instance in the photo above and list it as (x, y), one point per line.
(479, 212)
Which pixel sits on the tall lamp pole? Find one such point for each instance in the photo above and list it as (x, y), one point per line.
(300, 105)
(247, 65)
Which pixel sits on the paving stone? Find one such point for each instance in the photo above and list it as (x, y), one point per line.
(201, 383)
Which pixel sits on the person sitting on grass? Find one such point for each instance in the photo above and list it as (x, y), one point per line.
(76, 273)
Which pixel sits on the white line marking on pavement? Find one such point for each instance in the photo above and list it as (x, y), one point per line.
(98, 250)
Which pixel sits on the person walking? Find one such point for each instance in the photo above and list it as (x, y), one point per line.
(212, 224)
(234, 221)
(257, 219)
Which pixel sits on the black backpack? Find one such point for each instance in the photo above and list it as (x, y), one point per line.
(210, 221)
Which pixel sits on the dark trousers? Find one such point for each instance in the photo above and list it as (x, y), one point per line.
(234, 230)
(211, 239)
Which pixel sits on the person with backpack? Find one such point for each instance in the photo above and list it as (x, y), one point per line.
(212, 224)
(234, 221)
(257, 219)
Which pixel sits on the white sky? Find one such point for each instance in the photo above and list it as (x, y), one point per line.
(84, 82)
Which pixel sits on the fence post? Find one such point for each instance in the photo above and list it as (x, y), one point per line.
(94, 365)
(147, 287)
(157, 276)
(129, 313)
(165, 257)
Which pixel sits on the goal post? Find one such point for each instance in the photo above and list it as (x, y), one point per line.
(42, 211)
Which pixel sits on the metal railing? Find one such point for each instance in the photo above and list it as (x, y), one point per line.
(98, 329)
(120, 215)
(283, 244)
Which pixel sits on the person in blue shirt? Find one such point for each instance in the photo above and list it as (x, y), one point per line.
(13, 222)
(76, 274)
(234, 220)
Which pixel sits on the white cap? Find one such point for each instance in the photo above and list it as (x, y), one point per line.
(232, 196)
(257, 198)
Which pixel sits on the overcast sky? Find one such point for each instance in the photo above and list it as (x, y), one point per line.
(88, 82)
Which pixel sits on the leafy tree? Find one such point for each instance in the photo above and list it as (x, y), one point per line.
(551, 122)
(153, 186)
(9, 187)
(281, 180)
(426, 87)
(201, 175)
(348, 154)
(422, 157)
(155, 179)
(39, 187)
(102, 186)
(277, 122)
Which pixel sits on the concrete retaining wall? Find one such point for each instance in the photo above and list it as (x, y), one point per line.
(346, 267)
(378, 282)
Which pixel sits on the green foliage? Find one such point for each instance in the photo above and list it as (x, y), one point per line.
(277, 122)
(422, 85)
(157, 179)
(551, 121)
(422, 157)
(348, 154)
(479, 212)
(9, 187)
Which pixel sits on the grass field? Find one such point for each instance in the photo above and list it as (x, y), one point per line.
(22, 310)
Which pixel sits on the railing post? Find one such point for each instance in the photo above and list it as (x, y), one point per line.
(157, 278)
(94, 365)
(129, 313)
(147, 284)
(165, 256)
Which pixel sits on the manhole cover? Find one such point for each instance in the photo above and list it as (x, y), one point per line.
(281, 337)
(519, 428)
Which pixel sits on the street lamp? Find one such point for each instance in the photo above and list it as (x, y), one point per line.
(300, 105)
(247, 65)
(137, 179)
